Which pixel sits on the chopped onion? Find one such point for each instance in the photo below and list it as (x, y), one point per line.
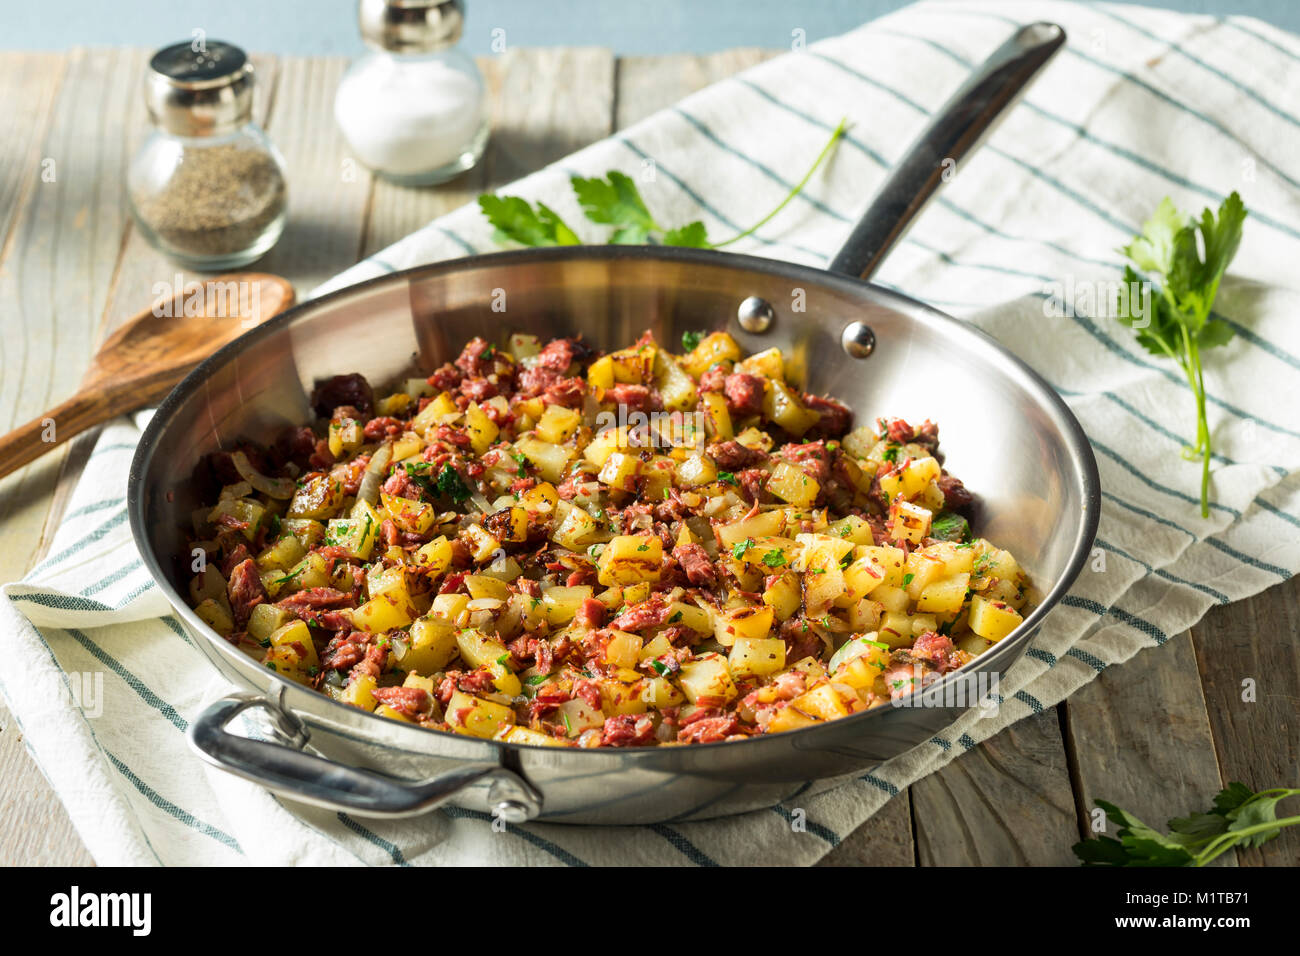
(378, 464)
(480, 502)
(484, 604)
(282, 488)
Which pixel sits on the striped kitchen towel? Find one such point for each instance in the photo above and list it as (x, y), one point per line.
(1142, 104)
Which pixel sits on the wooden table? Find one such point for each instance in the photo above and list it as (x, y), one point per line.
(1158, 736)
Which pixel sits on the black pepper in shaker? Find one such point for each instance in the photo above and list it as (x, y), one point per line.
(207, 187)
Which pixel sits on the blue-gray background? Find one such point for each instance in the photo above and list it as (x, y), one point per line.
(627, 26)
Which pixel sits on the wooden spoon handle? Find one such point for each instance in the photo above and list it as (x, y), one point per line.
(28, 442)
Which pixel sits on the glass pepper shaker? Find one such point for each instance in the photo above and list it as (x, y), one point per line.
(415, 109)
(207, 187)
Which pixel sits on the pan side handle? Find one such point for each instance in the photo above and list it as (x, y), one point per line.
(289, 770)
(956, 129)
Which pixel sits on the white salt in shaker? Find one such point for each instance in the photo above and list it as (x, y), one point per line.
(415, 110)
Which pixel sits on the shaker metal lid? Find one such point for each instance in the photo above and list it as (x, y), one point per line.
(199, 89)
(411, 26)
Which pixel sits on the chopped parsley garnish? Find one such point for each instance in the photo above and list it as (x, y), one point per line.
(660, 667)
(451, 485)
(891, 452)
(675, 618)
(774, 558)
(950, 526)
(504, 659)
(907, 578)
(727, 476)
(740, 547)
(691, 340)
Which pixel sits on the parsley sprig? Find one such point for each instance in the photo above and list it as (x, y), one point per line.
(1190, 258)
(615, 201)
(1239, 817)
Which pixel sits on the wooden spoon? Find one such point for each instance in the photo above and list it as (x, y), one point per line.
(144, 359)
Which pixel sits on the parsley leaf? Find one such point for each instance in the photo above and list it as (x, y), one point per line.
(1238, 817)
(451, 485)
(516, 220)
(774, 558)
(615, 201)
(691, 340)
(1176, 322)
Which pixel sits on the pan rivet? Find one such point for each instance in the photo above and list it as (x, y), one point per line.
(858, 340)
(512, 811)
(755, 315)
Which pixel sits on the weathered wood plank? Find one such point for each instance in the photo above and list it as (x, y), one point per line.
(1006, 803)
(545, 104)
(1139, 737)
(883, 840)
(65, 237)
(1258, 741)
(647, 84)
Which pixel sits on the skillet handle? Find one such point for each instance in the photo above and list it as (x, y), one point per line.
(955, 130)
(287, 769)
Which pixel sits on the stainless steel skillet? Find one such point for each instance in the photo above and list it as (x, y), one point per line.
(1005, 432)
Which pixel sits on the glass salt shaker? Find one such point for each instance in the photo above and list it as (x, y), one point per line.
(207, 187)
(415, 109)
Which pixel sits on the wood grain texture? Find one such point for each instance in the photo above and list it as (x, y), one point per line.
(1008, 802)
(1140, 738)
(1258, 742)
(650, 83)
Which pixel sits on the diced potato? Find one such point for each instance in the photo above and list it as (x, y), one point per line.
(385, 612)
(912, 479)
(713, 348)
(824, 702)
(623, 649)
(706, 681)
(920, 570)
(756, 657)
(383, 710)
(768, 363)
(765, 524)
(449, 607)
(297, 638)
(690, 616)
(285, 662)
(482, 545)
(634, 365)
(248, 514)
(630, 559)
(577, 715)
(790, 483)
(216, 616)
(318, 497)
(620, 470)
(717, 417)
(889, 560)
(910, 522)
(789, 718)
(784, 595)
(852, 528)
(360, 692)
(944, 596)
(346, 437)
(307, 530)
(748, 621)
(896, 629)
(281, 555)
(993, 563)
(696, 470)
(561, 603)
(861, 578)
(265, 619)
(355, 535)
(676, 387)
(992, 620)
(782, 405)
(821, 588)
(600, 373)
(476, 717)
(619, 697)
(440, 411)
(482, 429)
(524, 346)
(660, 692)
(414, 516)
(558, 424)
(434, 557)
(865, 648)
(576, 528)
(478, 649)
(550, 460)
(657, 475)
(430, 646)
(605, 443)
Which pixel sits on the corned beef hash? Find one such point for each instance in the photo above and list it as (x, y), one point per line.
(547, 544)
